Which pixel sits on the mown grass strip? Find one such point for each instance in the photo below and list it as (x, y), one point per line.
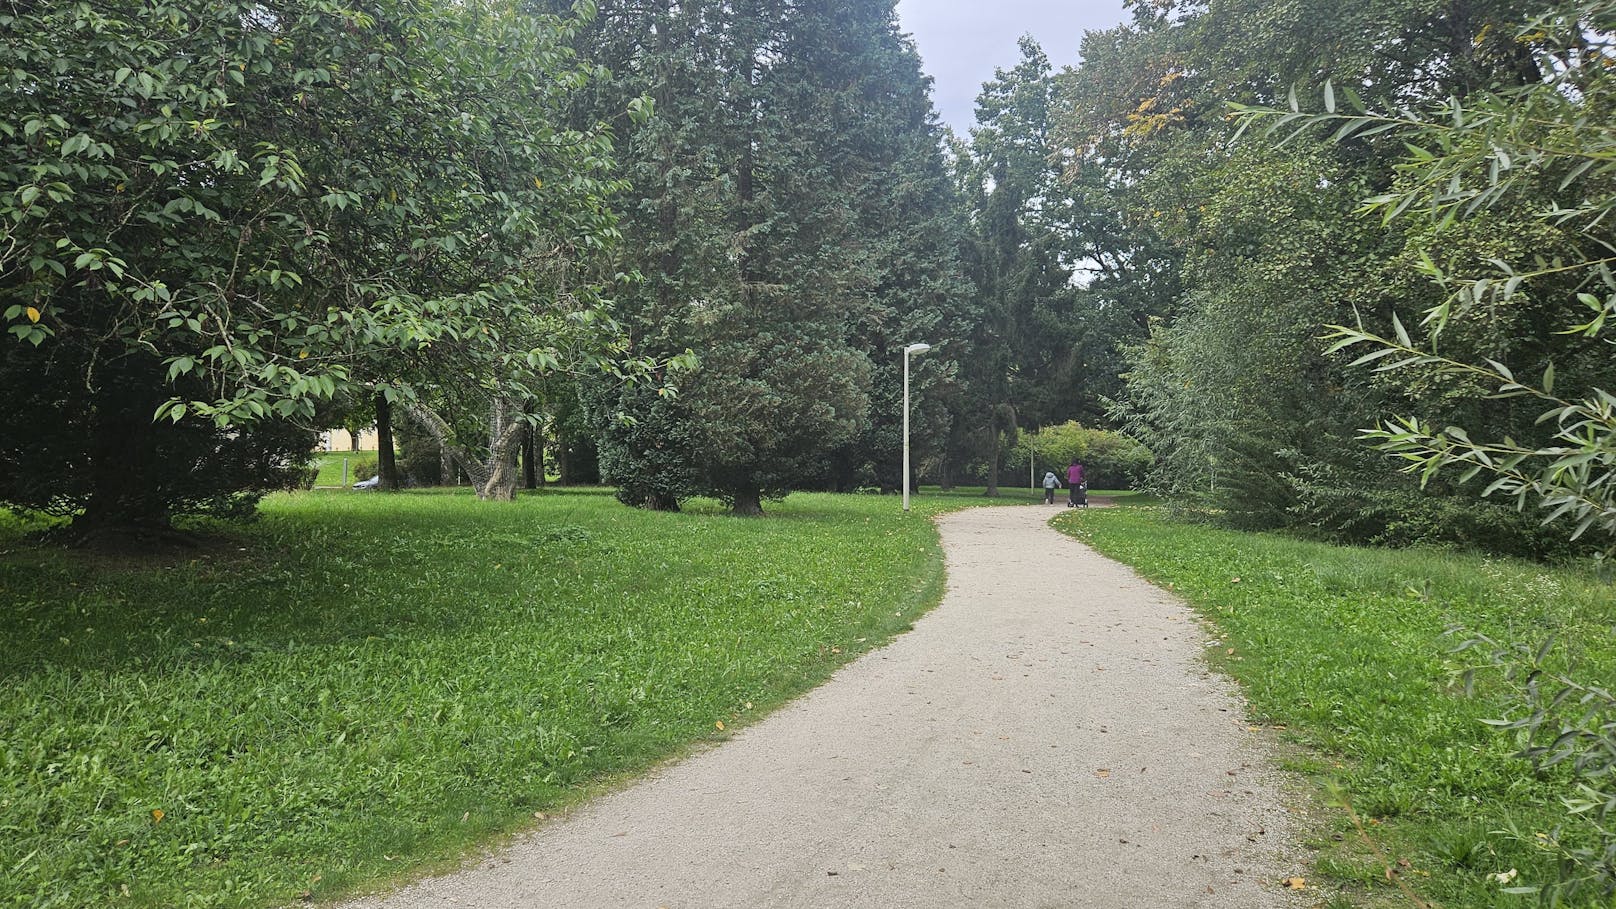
(358, 686)
(1343, 650)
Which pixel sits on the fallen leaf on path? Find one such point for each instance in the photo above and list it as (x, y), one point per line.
(719, 725)
(1103, 772)
(1295, 883)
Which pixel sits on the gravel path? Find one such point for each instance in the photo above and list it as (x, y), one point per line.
(1046, 737)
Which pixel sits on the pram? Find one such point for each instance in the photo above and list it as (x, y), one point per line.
(1079, 496)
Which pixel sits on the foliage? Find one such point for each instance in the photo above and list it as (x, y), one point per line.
(1571, 723)
(1551, 141)
(791, 217)
(1231, 258)
(1547, 141)
(262, 277)
(95, 454)
(1339, 650)
(1110, 460)
(1028, 356)
(357, 686)
(280, 201)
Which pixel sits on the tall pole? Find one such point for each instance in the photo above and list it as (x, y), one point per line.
(905, 429)
(912, 348)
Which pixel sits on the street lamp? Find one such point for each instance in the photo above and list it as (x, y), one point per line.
(911, 349)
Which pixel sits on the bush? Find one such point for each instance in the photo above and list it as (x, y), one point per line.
(86, 447)
(362, 467)
(1110, 460)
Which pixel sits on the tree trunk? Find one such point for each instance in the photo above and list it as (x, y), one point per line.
(386, 463)
(993, 464)
(448, 473)
(661, 501)
(501, 483)
(529, 471)
(538, 455)
(563, 461)
(748, 504)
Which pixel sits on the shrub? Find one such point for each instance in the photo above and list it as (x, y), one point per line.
(1110, 460)
(87, 448)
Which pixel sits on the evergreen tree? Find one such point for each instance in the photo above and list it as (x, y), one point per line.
(783, 219)
(1024, 372)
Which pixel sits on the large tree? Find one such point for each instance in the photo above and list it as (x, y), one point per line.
(782, 216)
(263, 203)
(1241, 254)
(1027, 346)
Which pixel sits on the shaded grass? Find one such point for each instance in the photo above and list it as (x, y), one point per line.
(356, 686)
(1344, 649)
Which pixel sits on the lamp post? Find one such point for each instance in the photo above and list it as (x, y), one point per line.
(911, 349)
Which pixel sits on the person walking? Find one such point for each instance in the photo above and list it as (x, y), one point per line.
(1050, 482)
(1077, 490)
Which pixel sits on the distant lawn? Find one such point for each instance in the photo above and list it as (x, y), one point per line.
(360, 685)
(1342, 649)
(330, 466)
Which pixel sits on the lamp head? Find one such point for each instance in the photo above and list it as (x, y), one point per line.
(917, 348)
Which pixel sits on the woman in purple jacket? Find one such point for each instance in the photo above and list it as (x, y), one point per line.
(1077, 490)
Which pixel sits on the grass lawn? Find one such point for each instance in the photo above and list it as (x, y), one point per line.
(1341, 650)
(358, 686)
(330, 465)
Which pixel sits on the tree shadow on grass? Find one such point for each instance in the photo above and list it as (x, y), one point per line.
(316, 570)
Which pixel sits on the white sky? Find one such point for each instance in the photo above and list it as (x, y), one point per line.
(963, 41)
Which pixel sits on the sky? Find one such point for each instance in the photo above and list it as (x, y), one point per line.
(963, 41)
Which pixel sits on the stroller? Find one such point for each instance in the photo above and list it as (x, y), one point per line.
(1079, 496)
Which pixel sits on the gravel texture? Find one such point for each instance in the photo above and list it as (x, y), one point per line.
(1046, 737)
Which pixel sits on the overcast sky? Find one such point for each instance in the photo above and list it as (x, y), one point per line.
(963, 41)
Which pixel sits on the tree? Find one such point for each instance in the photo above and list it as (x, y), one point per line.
(1026, 372)
(279, 200)
(1547, 143)
(1110, 460)
(1236, 257)
(788, 138)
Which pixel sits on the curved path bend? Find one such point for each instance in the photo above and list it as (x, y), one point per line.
(1048, 736)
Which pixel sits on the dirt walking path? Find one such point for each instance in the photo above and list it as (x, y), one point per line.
(1046, 737)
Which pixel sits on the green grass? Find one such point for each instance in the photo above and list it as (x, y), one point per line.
(330, 465)
(1343, 650)
(357, 687)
